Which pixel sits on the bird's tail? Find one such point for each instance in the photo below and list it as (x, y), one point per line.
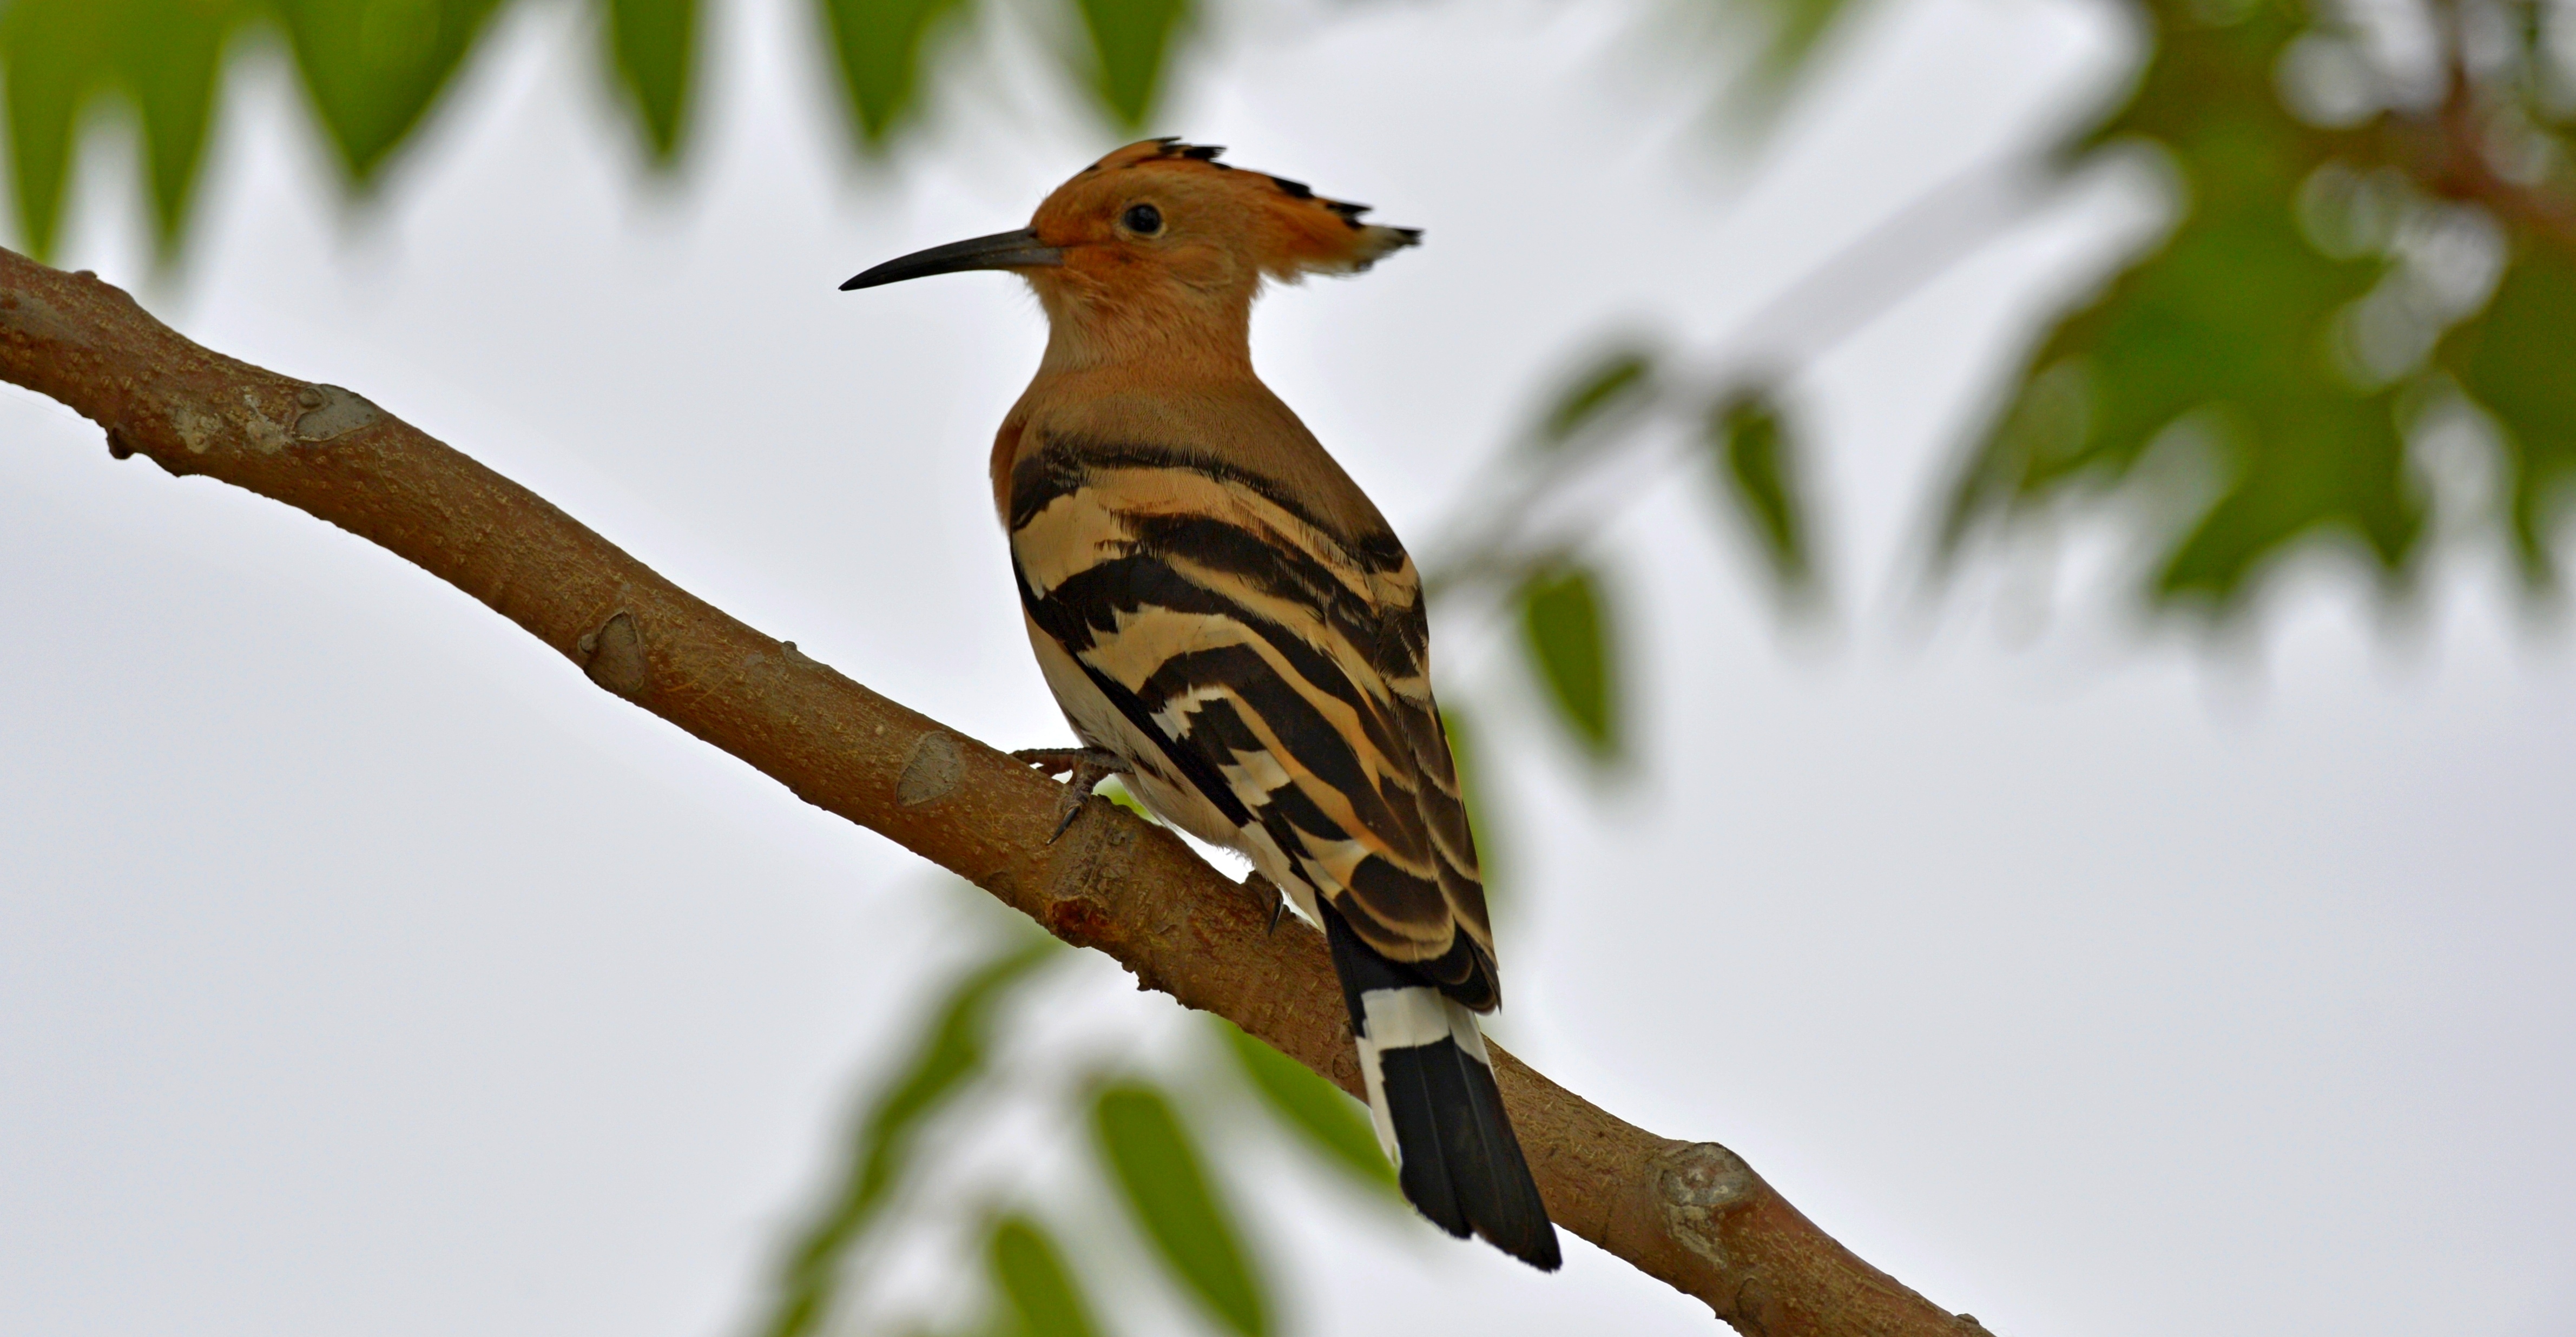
(1439, 1116)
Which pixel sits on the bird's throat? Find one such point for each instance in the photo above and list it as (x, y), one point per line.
(1189, 333)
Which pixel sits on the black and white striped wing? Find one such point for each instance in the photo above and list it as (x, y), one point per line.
(1267, 676)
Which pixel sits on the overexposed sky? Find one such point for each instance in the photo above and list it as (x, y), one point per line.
(364, 969)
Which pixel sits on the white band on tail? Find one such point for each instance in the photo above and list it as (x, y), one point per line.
(1403, 1019)
(1380, 1120)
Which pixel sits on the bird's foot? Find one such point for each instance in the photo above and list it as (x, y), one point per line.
(1088, 766)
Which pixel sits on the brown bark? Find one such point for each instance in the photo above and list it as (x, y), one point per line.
(1691, 1214)
(2450, 151)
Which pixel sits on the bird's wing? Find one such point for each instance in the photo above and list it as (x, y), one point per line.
(1281, 667)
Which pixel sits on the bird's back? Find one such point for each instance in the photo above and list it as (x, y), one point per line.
(1190, 543)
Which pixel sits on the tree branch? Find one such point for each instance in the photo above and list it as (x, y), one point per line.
(1691, 1214)
(2449, 151)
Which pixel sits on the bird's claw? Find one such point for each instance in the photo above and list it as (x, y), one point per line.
(1066, 809)
(1261, 886)
(1088, 766)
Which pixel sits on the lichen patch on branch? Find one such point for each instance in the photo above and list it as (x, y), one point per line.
(198, 431)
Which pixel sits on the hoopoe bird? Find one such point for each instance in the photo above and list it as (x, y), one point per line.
(1229, 624)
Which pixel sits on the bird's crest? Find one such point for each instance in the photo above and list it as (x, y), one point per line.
(1288, 230)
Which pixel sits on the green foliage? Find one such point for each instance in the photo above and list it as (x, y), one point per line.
(950, 1056)
(2520, 362)
(1131, 43)
(880, 44)
(372, 71)
(1148, 1154)
(1328, 1119)
(651, 45)
(2230, 325)
(1564, 630)
(372, 67)
(1116, 791)
(1802, 24)
(1029, 1271)
(161, 56)
(1466, 759)
(2245, 332)
(1619, 380)
(1794, 29)
(1159, 1176)
(1761, 479)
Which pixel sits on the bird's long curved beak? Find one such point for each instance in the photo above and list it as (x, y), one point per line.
(1002, 250)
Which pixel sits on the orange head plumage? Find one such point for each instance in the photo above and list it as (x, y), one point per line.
(1160, 241)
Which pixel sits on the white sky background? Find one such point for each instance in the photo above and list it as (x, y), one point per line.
(364, 969)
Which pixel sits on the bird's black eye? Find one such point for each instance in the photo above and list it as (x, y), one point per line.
(1142, 219)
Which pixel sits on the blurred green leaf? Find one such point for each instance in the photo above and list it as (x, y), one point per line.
(2519, 360)
(880, 44)
(1792, 31)
(373, 67)
(1029, 1271)
(1464, 753)
(950, 1054)
(1762, 481)
(1802, 24)
(1564, 630)
(56, 56)
(161, 55)
(2230, 324)
(1117, 792)
(1158, 1172)
(652, 45)
(1331, 1121)
(1619, 380)
(1131, 43)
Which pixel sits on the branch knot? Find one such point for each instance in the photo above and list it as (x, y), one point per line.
(1696, 1182)
(330, 411)
(934, 768)
(614, 658)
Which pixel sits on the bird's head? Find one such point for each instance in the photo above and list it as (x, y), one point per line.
(1161, 236)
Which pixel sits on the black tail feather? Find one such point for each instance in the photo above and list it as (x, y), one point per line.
(1507, 1208)
(1458, 1162)
(1416, 1096)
